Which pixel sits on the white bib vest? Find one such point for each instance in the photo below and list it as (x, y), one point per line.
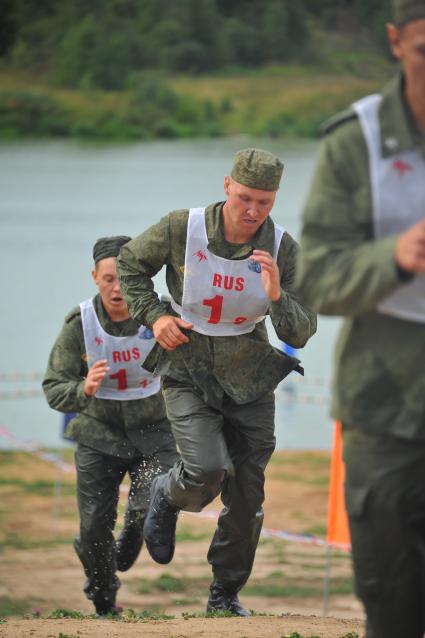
(126, 379)
(221, 297)
(398, 198)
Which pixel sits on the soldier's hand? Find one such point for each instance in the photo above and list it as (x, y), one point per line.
(95, 377)
(410, 248)
(270, 277)
(167, 331)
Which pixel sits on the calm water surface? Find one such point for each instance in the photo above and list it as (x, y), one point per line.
(57, 198)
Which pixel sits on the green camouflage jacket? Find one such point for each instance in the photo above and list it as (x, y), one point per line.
(119, 428)
(379, 383)
(244, 366)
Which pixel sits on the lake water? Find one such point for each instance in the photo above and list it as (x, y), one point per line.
(57, 198)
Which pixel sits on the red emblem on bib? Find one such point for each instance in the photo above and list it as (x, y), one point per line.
(401, 167)
(200, 255)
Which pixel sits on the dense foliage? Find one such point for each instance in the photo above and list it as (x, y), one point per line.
(103, 43)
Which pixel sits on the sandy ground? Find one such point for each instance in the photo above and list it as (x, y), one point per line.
(40, 574)
(257, 627)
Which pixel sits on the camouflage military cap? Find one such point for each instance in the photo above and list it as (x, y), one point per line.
(108, 247)
(256, 168)
(408, 10)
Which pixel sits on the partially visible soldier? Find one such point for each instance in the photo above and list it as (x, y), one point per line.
(227, 266)
(95, 369)
(363, 257)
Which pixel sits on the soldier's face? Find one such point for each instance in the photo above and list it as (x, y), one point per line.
(106, 279)
(408, 45)
(245, 209)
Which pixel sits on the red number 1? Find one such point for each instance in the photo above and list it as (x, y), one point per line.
(216, 304)
(121, 375)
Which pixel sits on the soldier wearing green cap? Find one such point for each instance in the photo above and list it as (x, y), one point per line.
(95, 370)
(363, 258)
(227, 266)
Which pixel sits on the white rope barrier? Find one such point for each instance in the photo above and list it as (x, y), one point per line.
(32, 447)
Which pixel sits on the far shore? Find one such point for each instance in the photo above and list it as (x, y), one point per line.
(275, 102)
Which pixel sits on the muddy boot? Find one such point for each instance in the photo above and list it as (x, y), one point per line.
(222, 599)
(105, 606)
(100, 590)
(130, 541)
(160, 524)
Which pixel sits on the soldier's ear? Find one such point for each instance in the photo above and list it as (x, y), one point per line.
(394, 40)
(94, 275)
(226, 184)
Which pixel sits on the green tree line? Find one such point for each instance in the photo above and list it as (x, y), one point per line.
(105, 43)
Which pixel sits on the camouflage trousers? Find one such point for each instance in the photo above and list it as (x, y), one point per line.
(385, 498)
(224, 450)
(99, 477)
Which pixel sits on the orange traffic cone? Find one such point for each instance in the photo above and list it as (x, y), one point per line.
(338, 532)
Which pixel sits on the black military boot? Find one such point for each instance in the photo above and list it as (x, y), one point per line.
(223, 599)
(130, 541)
(105, 605)
(160, 524)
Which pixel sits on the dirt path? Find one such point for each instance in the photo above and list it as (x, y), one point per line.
(258, 627)
(39, 572)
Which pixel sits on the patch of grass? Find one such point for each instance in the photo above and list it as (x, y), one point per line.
(278, 584)
(10, 607)
(301, 458)
(132, 616)
(207, 614)
(8, 457)
(342, 586)
(315, 530)
(306, 555)
(66, 613)
(62, 635)
(311, 525)
(186, 534)
(275, 590)
(279, 552)
(317, 481)
(144, 586)
(42, 487)
(339, 554)
(73, 514)
(13, 456)
(312, 567)
(16, 541)
(186, 601)
(166, 582)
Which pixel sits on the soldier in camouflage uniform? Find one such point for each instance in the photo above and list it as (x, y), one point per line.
(95, 370)
(363, 257)
(226, 266)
